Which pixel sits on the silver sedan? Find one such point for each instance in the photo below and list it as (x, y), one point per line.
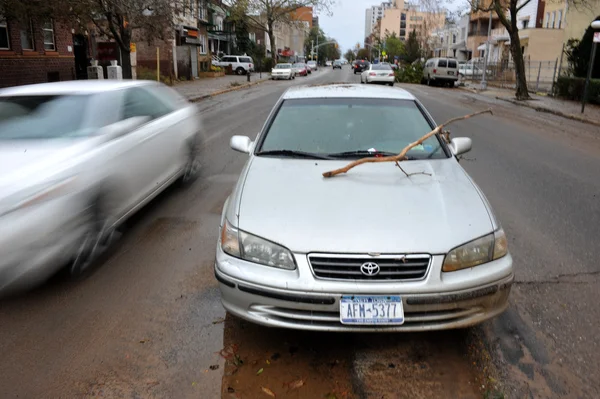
(76, 160)
(378, 73)
(371, 250)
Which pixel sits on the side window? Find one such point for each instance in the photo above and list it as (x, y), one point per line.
(228, 59)
(141, 102)
(442, 64)
(451, 64)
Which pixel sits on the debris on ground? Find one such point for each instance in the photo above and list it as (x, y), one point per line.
(268, 392)
(294, 384)
(214, 366)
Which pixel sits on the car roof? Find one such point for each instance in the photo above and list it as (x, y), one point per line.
(73, 87)
(345, 90)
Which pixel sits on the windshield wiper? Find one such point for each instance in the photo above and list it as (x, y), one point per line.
(365, 153)
(293, 153)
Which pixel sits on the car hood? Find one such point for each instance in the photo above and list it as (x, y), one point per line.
(373, 208)
(22, 159)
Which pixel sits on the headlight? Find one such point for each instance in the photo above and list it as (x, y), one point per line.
(249, 247)
(479, 251)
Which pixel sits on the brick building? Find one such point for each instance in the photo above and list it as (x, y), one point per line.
(37, 52)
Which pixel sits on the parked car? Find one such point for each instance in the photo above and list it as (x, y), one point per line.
(440, 71)
(418, 253)
(283, 71)
(77, 159)
(470, 70)
(360, 66)
(378, 73)
(337, 64)
(312, 65)
(328, 63)
(300, 69)
(241, 65)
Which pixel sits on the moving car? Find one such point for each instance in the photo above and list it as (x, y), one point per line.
(371, 250)
(328, 63)
(300, 69)
(337, 64)
(283, 71)
(76, 160)
(312, 65)
(360, 66)
(240, 64)
(378, 73)
(440, 71)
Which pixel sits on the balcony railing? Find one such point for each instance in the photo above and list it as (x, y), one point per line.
(500, 34)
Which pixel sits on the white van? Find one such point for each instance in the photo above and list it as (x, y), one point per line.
(440, 71)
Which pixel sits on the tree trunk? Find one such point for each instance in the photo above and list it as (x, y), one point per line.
(272, 40)
(126, 63)
(521, 79)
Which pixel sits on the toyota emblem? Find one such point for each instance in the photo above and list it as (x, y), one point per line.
(369, 269)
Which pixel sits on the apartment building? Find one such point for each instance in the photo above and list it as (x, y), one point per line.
(373, 14)
(403, 18)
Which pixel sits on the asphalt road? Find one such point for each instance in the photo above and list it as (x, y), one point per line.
(149, 323)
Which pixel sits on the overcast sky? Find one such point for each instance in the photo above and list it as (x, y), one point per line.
(347, 24)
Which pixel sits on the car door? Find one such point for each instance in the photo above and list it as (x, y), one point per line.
(363, 75)
(151, 149)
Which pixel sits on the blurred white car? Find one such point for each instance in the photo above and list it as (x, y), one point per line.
(283, 71)
(76, 160)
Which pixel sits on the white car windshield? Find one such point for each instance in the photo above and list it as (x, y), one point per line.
(283, 66)
(334, 125)
(43, 117)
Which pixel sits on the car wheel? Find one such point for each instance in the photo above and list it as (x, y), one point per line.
(240, 71)
(392, 84)
(193, 164)
(99, 235)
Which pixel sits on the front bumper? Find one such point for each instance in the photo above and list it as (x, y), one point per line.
(296, 299)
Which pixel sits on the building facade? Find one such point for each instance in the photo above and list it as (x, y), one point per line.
(404, 18)
(39, 52)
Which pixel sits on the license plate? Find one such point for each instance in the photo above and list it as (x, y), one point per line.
(450, 72)
(361, 309)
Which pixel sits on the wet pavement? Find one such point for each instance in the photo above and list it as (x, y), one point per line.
(148, 323)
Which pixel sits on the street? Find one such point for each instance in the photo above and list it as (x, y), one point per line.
(149, 322)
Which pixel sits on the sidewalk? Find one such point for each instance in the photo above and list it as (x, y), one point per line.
(565, 108)
(199, 89)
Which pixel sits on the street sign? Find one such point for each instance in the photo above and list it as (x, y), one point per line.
(596, 37)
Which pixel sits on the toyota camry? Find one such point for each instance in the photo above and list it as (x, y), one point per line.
(407, 247)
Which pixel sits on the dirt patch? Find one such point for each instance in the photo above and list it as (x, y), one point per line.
(286, 363)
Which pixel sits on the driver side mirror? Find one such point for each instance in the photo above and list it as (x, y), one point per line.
(241, 144)
(460, 145)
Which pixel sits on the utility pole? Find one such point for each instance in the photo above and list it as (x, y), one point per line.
(487, 51)
(312, 48)
(317, 48)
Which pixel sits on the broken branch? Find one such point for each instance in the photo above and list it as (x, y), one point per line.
(402, 155)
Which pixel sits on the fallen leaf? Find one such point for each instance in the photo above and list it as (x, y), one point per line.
(214, 366)
(268, 392)
(143, 341)
(268, 362)
(260, 371)
(295, 384)
(194, 383)
(330, 396)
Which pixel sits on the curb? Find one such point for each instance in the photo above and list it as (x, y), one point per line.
(550, 111)
(219, 92)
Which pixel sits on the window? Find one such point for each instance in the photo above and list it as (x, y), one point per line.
(453, 38)
(547, 19)
(463, 33)
(392, 124)
(525, 23)
(27, 36)
(202, 40)
(252, 36)
(559, 19)
(442, 64)
(140, 102)
(553, 19)
(403, 17)
(48, 31)
(451, 64)
(402, 34)
(4, 41)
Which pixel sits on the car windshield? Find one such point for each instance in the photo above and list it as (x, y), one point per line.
(381, 67)
(311, 62)
(43, 116)
(283, 66)
(335, 125)
(298, 65)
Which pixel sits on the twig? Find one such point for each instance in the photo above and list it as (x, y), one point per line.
(402, 156)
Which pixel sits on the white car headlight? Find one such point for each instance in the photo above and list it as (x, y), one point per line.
(482, 250)
(249, 247)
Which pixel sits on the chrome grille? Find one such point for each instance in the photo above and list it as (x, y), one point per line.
(391, 267)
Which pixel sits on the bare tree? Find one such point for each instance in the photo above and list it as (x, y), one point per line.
(268, 14)
(507, 11)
